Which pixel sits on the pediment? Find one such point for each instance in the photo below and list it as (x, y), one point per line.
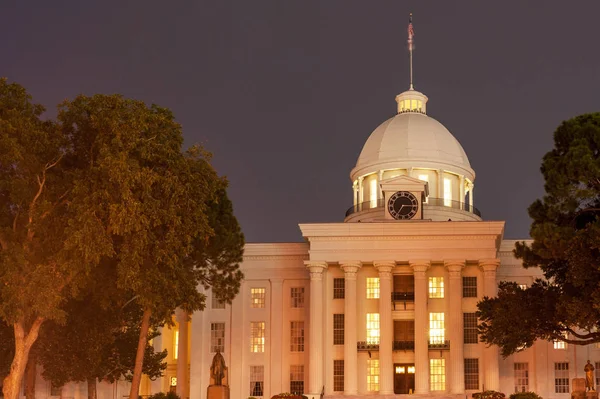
(405, 183)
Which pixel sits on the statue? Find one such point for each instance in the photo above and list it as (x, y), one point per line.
(589, 376)
(217, 368)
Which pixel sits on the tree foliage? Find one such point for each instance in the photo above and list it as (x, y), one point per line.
(566, 246)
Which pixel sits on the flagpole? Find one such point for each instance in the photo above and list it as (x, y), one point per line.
(411, 33)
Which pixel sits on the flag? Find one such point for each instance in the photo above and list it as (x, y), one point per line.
(411, 33)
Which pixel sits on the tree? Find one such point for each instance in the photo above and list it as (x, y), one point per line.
(36, 273)
(566, 246)
(162, 214)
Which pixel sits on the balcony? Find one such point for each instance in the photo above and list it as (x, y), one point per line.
(431, 202)
(403, 346)
(363, 346)
(442, 346)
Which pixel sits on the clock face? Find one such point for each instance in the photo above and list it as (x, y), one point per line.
(403, 205)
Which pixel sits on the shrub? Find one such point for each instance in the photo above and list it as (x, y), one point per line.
(162, 395)
(525, 395)
(286, 395)
(488, 395)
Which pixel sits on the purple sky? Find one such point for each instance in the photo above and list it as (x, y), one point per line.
(286, 92)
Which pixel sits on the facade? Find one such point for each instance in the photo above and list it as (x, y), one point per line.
(381, 303)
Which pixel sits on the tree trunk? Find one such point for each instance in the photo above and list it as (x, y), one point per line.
(23, 343)
(30, 374)
(92, 393)
(139, 357)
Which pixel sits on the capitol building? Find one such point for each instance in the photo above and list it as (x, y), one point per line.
(381, 303)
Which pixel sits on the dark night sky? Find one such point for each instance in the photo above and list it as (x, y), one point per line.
(285, 93)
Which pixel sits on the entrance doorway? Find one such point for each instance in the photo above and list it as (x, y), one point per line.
(404, 378)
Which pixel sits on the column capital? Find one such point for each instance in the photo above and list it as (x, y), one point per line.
(350, 269)
(419, 265)
(489, 265)
(316, 269)
(276, 280)
(384, 267)
(454, 266)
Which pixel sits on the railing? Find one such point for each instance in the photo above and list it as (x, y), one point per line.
(440, 345)
(403, 346)
(380, 203)
(363, 346)
(403, 296)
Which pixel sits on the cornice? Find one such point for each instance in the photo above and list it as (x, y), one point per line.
(400, 238)
(276, 257)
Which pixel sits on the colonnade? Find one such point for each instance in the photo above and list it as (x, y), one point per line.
(454, 326)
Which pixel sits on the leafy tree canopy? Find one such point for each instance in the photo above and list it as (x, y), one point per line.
(566, 246)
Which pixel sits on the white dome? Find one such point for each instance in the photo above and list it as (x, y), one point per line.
(412, 139)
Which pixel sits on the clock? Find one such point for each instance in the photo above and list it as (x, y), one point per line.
(403, 205)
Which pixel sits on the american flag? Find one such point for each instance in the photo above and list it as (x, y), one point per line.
(411, 32)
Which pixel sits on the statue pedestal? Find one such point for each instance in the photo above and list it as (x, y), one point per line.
(217, 392)
(591, 395)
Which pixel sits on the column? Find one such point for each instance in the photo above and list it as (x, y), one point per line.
(361, 191)
(386, 334)
(421, 328)
(379, 179)
(355, 191)
(461, 191)
(276, 334)
(440, 184)
(490, 353)
(455, 326)
(471, 188)
(316, 358)
(182, 354)
(350, 269)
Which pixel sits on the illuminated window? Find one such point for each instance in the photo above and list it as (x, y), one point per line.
(469, 287)
(257, 336)
(558, 344)
(217, 337)
(437, 333)
(297, 336)
(215, 302)
(339, 288)
(470, 328)
(175, 344)
(372, 287)
(257, 381)
(471, 373)
(373, 328)
(447, 192)
(297, 297)
(561, 377)
(436, 287)
(523, 286)
(338, 329)
(338, 375)
(373, 193)
(297, 379)
(424, 178)
(437, 374)
(257, 297)
(373, 375)
(521, 377)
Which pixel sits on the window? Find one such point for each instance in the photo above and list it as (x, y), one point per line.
(373, 375)
(297, 336)
(523, 286)
(471, 373)
(297, 379)
(55, 390)
(521, 377)
(338, 329)
(257, 380)
(469, 287)
(373, 328)
(561, 377)
(436, 287)
(558, 344)
(257, 297)
(372, 287)
(470, 328)
(597, 367)
(217, 337)
(175, 344)
(339, 288)
(215, 302)
(297, 297)
(447, 192)
(338, 375)
(437, 372)
(373, 192)
(436, 328)
(257, 336)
